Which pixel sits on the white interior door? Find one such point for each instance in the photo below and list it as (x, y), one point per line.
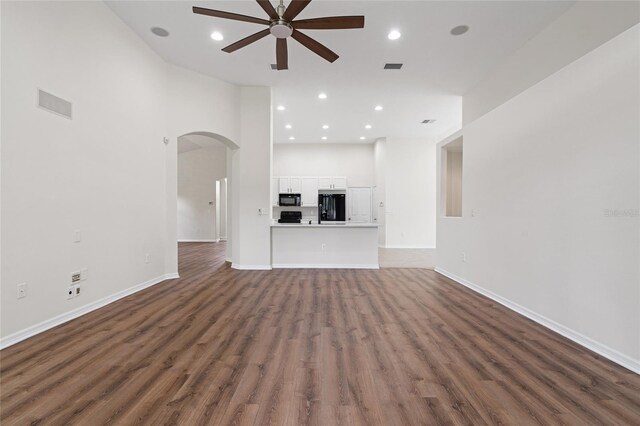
(359, 200)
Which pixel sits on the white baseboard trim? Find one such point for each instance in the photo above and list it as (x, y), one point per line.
(323, 266)
(607, 352)
(31, 331)
(409, 247)
(251, 267)
(198, 241)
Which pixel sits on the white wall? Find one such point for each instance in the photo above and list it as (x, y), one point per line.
(542, 172)
(198, 171)
(582, 28)
(355, 161)
(251, 182)
(102, 173)
(107, 172)
(408, 185)
(196, 103)
(380, 199)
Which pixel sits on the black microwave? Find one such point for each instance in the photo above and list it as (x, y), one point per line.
(287, 200)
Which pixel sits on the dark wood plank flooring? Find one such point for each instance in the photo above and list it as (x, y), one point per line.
(297, 347)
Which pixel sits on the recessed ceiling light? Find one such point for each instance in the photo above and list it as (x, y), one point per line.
(368, 126)
(394, 35)
(362, 138)
(288, 126)
(322, 96)
(324, 138)
(160, 32)
(291, 138)
(325, 126)
(280, 108)
(217, 36)
(459, 30)
(378, 108)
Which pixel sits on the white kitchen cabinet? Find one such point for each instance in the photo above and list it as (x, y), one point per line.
(324, 182)
(275, 191)
(289, 184)
(283, 185)
(332, 182)
(339, 182)
(295, 184)
(309, 191)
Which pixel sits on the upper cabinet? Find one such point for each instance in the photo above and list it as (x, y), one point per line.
(295, 183)
(307, 186)
(309, 191)
(332, 182)
(324, 182)
(339, 182)
(289, 184)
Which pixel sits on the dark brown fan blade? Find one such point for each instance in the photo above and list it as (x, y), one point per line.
(314, 46)
(268, 7)
(330, 23)
(246, 41)
(294, 8)
(282, 57)
(229, 15)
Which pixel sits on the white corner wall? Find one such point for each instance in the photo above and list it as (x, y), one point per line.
(102, 173)
(107, 172)
(198, 171)
(406, 170)
(250, 185)
(553, 176)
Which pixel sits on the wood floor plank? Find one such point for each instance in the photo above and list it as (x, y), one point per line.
(308, 347)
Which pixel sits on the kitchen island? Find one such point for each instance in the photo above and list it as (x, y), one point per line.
(326, 245)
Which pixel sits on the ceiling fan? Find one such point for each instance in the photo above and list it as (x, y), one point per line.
(282, 25)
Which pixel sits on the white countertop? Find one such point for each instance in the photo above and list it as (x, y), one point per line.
(324, 225)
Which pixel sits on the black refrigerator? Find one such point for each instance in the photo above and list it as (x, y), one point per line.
(331, 208)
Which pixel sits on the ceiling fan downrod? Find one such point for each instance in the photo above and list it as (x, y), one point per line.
(280, 9)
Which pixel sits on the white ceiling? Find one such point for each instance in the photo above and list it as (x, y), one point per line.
(438, 67)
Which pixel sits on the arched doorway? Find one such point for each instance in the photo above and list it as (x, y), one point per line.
(203, 179)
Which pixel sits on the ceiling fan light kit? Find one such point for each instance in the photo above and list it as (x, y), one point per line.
(282, 26)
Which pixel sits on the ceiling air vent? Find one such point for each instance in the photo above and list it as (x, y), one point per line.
(428, 121)
(392, 66)
(54, 104)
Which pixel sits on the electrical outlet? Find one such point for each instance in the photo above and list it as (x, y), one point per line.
(147, 258)
(84, 274)
(22, 290)
(464, 256)
(75, 277)
(71, 292)
(324, 247)
(76, 290)
(77, 236)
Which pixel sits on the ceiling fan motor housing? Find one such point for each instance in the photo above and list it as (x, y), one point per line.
(280, 29)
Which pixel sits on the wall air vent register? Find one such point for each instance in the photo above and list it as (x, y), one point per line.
(54, 104)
